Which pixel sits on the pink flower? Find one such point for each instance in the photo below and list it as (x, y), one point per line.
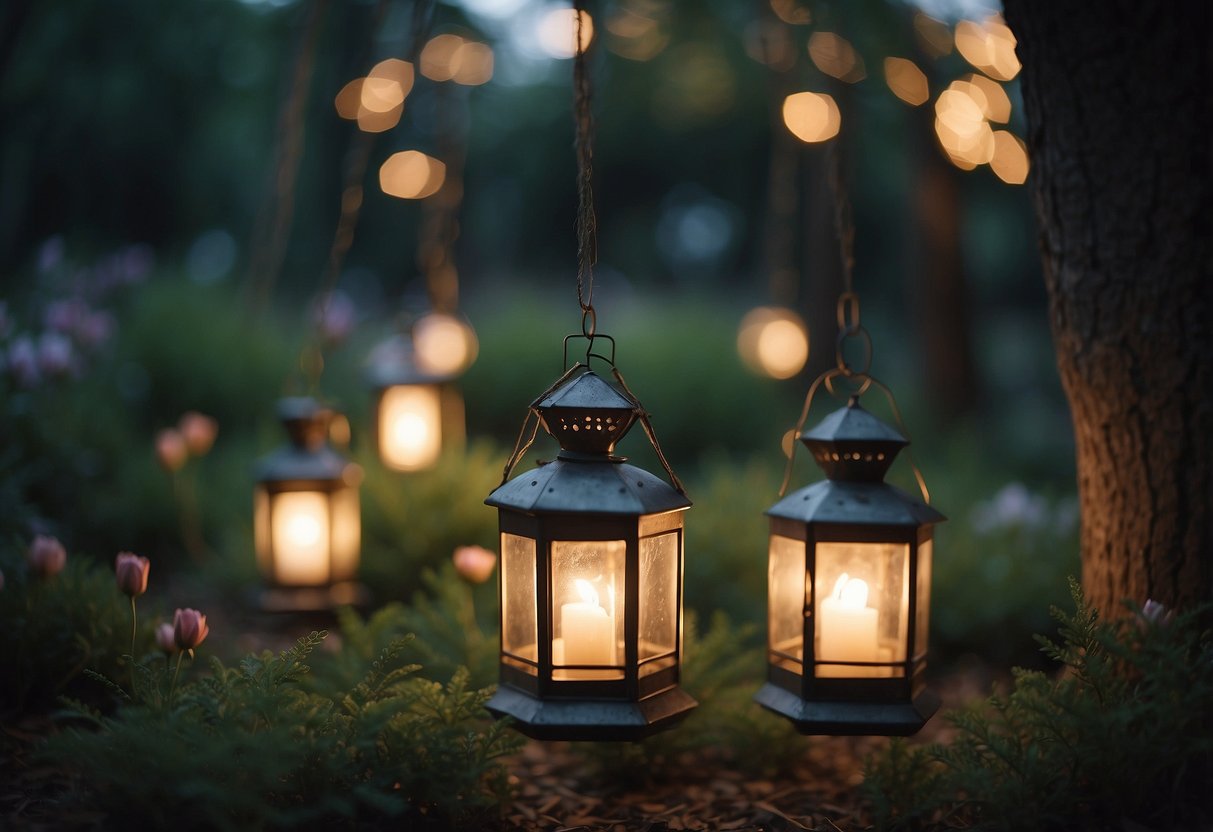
(334, 315)
(474, 563)
(46, 556)
(1154, 614)
(171, 449)
(189, 628)
(23, 361)
(198, 431)
(131, 573)
(166, 640)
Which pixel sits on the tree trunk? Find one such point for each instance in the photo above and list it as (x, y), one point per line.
(1120, 120)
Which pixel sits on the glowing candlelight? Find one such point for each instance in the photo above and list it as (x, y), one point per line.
(847, 629)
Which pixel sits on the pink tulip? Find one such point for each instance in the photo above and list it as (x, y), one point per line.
(166, 640)
(474, 563)
(171, 450)
(131, 573)
(46, 556)
(198, 431)
(189, 628)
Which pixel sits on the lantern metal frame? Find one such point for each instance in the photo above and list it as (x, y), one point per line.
(854, 505)
(587, 494)
(306, 464)
(402, 371)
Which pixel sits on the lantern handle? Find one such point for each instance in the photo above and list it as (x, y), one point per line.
(867, 380)
(643, 416)
(590, 337)
(524, 442)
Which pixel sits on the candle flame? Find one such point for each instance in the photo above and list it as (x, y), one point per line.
(587, 592)
(851, 593)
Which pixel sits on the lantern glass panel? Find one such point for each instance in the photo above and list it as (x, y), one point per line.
(261, 530)
(588, 608)
(519, 630)
(300, 535)
(862, 606)
(658, 596)
(410, 426)
(786, 593)
(347, 533)
(923, 613)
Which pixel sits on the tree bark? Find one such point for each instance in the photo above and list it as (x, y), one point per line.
(1120, 133)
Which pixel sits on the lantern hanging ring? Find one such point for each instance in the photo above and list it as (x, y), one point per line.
(848, 311)
(843, 366)
(590, 337)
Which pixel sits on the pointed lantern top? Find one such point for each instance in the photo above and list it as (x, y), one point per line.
(852, 444)
(586, 415)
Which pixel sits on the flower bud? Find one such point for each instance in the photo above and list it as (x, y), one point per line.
(171, 450)
(198, 431)
(1154, 614)
(131, 573)
(474, 563)
(189, 628)
(165, 639)
(46, 556)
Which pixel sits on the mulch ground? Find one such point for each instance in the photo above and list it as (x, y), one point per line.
(819, 793)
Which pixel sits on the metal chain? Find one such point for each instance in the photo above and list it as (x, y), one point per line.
(587, 222)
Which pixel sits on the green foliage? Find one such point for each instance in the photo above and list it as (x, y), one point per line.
(57, 627)
(727, 729)
(1122, 737)
(455, 629)
(414, 522)
(256, 746)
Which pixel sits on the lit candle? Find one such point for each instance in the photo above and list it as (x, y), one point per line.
(410, 429)
(301, 538)
(847, 630)
(588, 631)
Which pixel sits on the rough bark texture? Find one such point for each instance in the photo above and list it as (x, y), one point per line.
(1120, 132)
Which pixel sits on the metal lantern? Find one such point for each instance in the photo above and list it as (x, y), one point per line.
(591, 580)
(307, 526)
(417, 413)
(849, 578)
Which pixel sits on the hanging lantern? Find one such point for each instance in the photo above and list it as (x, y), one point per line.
(591, 579)
(307, 526)
(849, 580)
(417, 413)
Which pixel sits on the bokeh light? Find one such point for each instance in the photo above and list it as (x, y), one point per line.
(961, 126)
(773, 341)
(812, 116)
(994, 101)
(634, 35)
(933, 36)
(410, 174)
(444, 344)
(371, 122)
(906, 81)
(834, 55)
(557, 32)
(989, 46)
(1010, 160)
(791, 12)
(349, 100)
(387, 85)
(452, 58)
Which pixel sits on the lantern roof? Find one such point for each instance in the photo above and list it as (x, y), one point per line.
(308, 456)
(397, 364)
(587, 487)
(855, 503)
(586, 415)
(852, 444)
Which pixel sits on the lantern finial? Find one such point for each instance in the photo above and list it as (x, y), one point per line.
(586, 415)
(852, 444)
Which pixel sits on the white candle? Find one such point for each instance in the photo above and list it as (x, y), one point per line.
(847, 630)
(587, 630)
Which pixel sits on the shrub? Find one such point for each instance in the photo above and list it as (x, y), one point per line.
(1121, 738)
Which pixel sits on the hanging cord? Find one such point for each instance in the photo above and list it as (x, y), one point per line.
(357, 160)
(587, 255)
(849, 327)
(587, 222)
(274, 220)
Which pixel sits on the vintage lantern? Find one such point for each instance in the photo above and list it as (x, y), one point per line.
(591, 579)
(306, 519)
(417, 413)
(849, 577)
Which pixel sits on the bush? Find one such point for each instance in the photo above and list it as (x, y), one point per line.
(254, 747)
(1121, 738)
